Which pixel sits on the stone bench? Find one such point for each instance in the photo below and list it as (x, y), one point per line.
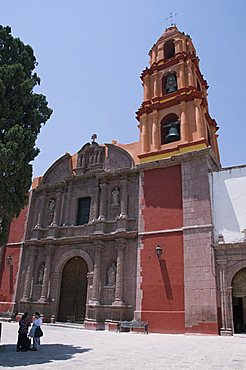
(134, 324)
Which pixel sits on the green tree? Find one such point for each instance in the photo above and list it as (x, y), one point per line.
(22, 114)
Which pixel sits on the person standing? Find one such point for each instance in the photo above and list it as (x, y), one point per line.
(36, 339)
(23, 342)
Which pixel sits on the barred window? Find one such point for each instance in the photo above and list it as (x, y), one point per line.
(83, 210)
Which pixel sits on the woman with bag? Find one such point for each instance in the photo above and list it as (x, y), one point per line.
(23, 343)
(36, 331)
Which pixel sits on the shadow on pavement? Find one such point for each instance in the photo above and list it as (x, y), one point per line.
(45, 354)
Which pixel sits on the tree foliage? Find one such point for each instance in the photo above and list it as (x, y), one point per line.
(22, 114)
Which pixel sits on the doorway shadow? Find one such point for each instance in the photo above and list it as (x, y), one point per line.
(45, 355)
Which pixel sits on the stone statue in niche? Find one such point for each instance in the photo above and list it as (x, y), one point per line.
(171, 84)
(41, 274)
(52, 205)
(111, 275)
(115, 196)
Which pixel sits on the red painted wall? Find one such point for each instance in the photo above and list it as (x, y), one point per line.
(163, 279)
(8, 276)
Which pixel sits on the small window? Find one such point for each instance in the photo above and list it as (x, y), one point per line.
(169, 49)
(170, 129)
(83, 211)
(169, 83)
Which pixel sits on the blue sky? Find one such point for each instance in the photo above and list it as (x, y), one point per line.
(91, 54)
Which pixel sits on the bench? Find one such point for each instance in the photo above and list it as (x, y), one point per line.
(134, 324)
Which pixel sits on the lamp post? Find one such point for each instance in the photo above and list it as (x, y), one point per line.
(9, 260)
(158, 251)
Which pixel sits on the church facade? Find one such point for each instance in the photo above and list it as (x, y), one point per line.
(122, 231)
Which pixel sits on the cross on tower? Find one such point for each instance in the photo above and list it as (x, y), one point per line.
(171, 17)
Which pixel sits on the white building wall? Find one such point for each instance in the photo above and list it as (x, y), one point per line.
(228, 198)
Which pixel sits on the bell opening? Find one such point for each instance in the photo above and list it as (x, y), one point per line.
(170, 133)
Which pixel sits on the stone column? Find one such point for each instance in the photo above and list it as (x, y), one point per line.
(55, 288)
(156, 84)
(181, 79)
(124, 199)
(67, 208)
(119, 276)
(156, 131)
(103, 201)
(225, 314)
(96, 204)
(184, 44)
(190, 73)
(41, 204)
(154, 54)
(29, 274)
(184, 129)
(178, 46)
(198, 117)
(57, 210)
(146, 83)
(61, 217)
(46, 277)
(144, 133)
(95, 298)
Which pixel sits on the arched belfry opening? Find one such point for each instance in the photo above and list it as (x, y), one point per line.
(73, 291)
(239, 301)
(170, 129)
(169, 83)
(169, 49)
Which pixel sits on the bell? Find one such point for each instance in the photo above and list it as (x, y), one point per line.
(172, 135)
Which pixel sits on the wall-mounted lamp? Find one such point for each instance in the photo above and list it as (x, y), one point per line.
(158, 251)
(9, 260)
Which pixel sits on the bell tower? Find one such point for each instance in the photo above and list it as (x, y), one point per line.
(176, 289)
(174, 118)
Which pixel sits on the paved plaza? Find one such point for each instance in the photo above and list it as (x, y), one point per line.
(71, 348)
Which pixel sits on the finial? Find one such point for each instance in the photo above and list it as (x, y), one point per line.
(171, 17)
(93, 138)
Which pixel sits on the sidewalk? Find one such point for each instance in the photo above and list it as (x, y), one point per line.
(68, 348)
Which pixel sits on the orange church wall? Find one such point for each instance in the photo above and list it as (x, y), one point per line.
(163, 283)
(9, 272)
(163, 279)
(162, 203)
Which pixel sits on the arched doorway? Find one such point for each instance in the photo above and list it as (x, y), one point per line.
(239, 301)
(73, 291)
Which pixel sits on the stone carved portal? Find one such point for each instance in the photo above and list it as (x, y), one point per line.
(73, 291)
(239, 301)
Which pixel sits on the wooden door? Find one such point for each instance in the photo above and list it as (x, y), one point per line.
(73, 291)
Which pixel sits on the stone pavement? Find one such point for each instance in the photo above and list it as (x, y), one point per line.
(71, 348)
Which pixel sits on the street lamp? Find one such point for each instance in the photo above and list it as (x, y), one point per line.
(158, 251)
(9, 260)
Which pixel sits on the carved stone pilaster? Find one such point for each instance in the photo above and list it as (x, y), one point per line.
(144, 133)
(95, 298)
(29, 274)
(226, 328)
(103, 200)
(119, 276)
(156, 131)
(190, 73)
(184, 123)
(156, 84)
(198, 115)
(57, 210)
(67, 201)
(124, 199)
(46, 278)
(41, 204)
